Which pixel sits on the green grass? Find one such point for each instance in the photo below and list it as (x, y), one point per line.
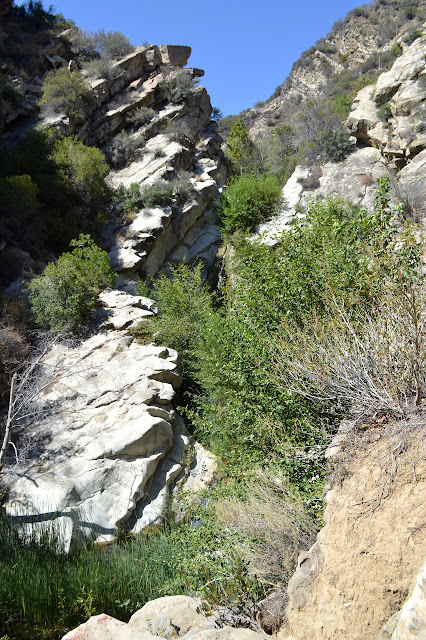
(43, 593)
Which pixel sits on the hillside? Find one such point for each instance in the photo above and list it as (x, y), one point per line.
(354, 52)
(212, 385)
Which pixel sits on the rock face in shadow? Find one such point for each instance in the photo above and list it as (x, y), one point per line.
(112, 448)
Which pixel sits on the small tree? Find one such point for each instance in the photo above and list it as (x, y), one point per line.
(67, 92)
(63, 297)
(241, 150)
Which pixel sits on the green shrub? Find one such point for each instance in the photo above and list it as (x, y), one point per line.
(12, 94)
(83, 170)
(83, 45)
(241, 150)
(113, 44)
(70, 179)
(216, 114)
(19, 208)
(128, 200)
(335, 145)
(249, 200)
(185, 305)
(342, 103)
(33, 11)
(63, 297)
(67, 92)
(161, 194)
(412, 35)
(385, 111)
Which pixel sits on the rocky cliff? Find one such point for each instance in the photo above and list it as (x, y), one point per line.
(394, 146)
(353, 582)
(110, 447)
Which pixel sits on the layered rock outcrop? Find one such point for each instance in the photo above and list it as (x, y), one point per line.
(110, 448)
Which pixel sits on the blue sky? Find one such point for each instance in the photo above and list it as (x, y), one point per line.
(246, 48)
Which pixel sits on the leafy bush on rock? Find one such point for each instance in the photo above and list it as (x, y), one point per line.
(63, 297)
(67, 92)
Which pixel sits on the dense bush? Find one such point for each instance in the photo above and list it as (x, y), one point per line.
(113, 44)
(164, 193)
(102, 67)
(336, 252)
(384, 111)
(34, 12)
(53, 190)
(322, 134)
(281, 152)
(67, 92)
(88, 46)
(63, 297)
(159, 194)
(19, 206)
(335, 145)
(185, 305)
(249, 200)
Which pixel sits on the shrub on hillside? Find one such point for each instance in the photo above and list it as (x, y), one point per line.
(249, 200)
(63, 297)
(178, 85)
(162, 193)
(102, 67)
(61, 189)
(83, 170)
(140, 117)
(88, 46)
(113, 44)
(335, 145)
(124, 148)
(67, 92)
(184, 305)
(241, 150)
(385, 111)
(34, 12)
(19, 209)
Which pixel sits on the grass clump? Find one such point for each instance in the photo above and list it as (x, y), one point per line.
(44, 593)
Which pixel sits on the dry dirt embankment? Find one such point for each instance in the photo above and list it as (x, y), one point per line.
(365, 561)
